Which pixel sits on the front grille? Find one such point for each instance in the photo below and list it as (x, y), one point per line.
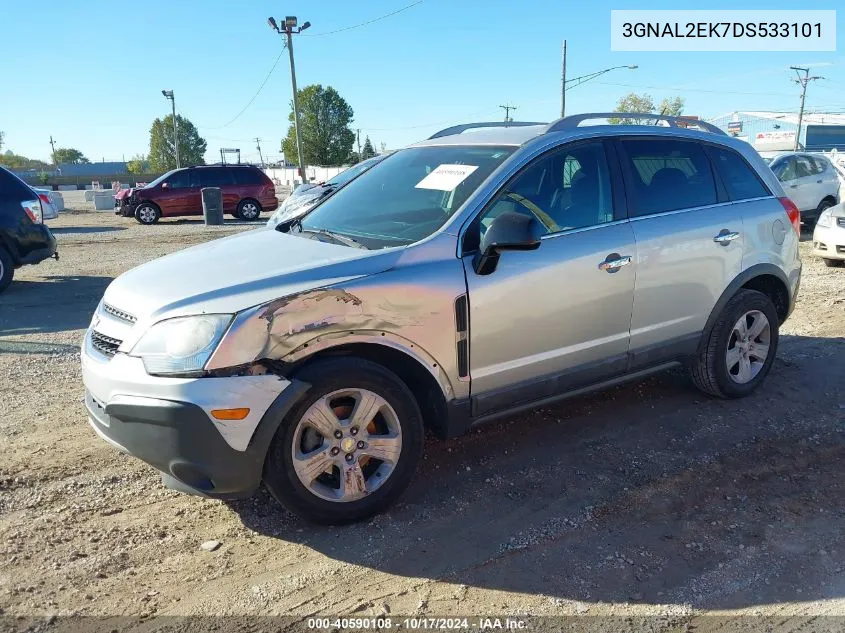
(104, 344)
(841, 222)
(119, 314)
(840, 250)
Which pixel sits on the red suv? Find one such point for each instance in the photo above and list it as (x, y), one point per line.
(247, 191)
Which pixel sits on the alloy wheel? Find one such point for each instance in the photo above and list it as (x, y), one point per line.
(346, 445)
(249, 211)
(748, 347)
(147, 214)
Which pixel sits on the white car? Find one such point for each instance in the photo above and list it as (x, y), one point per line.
(810, 180)
(49, 209)
(829, 236)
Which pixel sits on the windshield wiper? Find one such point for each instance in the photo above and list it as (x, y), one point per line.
(337, 237)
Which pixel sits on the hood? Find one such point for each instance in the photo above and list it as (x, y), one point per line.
(238, 272)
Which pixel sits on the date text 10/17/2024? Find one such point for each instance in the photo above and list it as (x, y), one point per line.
(420, 623)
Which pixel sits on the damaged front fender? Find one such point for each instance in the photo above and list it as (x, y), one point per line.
(292, 328)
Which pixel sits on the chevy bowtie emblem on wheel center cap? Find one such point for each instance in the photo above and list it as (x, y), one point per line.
(348, 445)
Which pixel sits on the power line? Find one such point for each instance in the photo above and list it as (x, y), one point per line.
(734, 92)
(254, 97)
(355, 26)
(507, 109)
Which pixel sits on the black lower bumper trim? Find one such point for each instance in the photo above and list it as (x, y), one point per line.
(181, 441)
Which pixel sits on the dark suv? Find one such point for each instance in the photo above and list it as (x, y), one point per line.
(247, 191)
(24, 239)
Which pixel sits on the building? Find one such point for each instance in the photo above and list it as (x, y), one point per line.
(776, 131)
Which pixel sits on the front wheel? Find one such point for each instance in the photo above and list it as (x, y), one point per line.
(147, 213)
(350, 448)
(248, 210)
(740, 348)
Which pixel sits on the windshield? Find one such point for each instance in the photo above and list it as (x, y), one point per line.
(349, 174)
(158, 180)
(407, 196)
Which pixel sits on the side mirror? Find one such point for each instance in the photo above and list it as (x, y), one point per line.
(509, 231)
(165, 185)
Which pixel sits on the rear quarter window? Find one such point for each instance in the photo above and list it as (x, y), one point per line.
(13, 189)
(248, 176)
(740, 180)
(668, 175)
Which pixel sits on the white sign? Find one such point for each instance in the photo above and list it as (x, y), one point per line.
(446, 177)
(773, 141)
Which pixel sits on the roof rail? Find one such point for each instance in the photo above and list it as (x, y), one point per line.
(457, 129)
(570, 122)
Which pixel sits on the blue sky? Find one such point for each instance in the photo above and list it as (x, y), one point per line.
(91, 72)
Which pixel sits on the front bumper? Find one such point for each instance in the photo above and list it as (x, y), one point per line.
(166, 422)
(829, 242)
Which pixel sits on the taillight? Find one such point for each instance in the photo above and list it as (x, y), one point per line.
(793, 213)
(45, 199)
(33, 210)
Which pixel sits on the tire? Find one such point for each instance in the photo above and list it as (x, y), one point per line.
(236, 214)
(342, 384)
(713, 372)
(7, 269)
(147, 213)
(248, 209)
(833, 263)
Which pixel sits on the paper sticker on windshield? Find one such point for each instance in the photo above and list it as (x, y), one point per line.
(446, 177)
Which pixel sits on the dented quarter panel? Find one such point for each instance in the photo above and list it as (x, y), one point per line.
(409, 307)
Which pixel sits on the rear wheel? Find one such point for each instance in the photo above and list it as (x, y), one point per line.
(350, 448)
(248, 210)
(7, 269)
(740, 348)
(147, 213)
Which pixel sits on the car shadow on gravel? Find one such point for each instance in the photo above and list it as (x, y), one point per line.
(647, 493)
(70, 230)
(59, 303)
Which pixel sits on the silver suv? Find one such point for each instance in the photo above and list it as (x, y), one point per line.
(484, 271)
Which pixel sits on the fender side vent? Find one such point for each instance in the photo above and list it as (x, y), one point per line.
(461, 327)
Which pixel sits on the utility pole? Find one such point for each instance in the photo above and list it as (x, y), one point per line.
(289, 30)
(507, 109)
(168, 94)
(358, 134)
(260, 155)
(53, 145)
(563, 84)
(802, 81)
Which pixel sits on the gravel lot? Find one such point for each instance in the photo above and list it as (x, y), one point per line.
(649, 499)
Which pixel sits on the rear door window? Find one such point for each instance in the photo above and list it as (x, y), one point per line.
(819, 163)
(668, 175)
(739, 178)
(804, 166)
(212, 177)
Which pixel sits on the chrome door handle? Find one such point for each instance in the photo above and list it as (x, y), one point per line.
(818, 182)
(793, 186)
(614, 262)
(726, 237)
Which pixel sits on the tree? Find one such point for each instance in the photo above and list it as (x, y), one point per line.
(672, 107)
(324, 120)
(367, 151)
(162, 153)
(10, 160)
(69, 155)
(138, 165)
(634, 102)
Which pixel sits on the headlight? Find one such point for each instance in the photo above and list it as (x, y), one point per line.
(825, 219)
(181, 345)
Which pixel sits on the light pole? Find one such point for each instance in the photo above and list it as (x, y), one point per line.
(289, 28)
(168, 94)
(567, 84)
